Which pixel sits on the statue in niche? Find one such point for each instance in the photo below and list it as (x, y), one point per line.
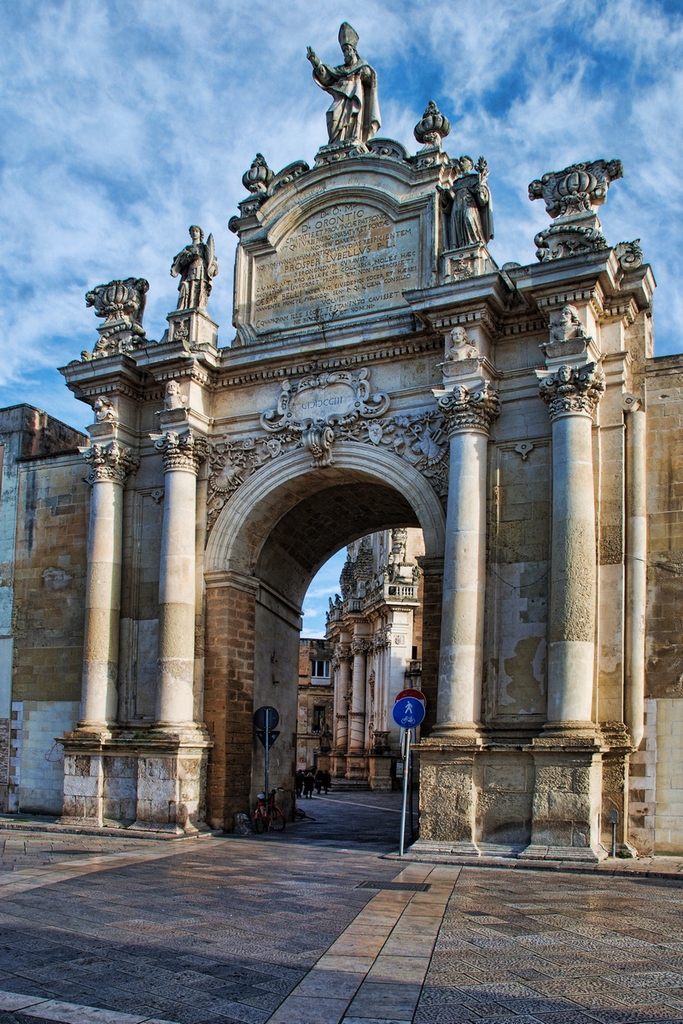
(467, 205)
(196, 266)
(354, 115)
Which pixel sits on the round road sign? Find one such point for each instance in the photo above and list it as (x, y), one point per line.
(416, 694)
(408, 712)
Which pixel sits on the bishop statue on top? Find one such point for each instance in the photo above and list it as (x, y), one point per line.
(353, 117)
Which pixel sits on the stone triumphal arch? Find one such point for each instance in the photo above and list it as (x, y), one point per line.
(385, 372)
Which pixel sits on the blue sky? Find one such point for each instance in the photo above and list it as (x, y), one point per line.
(124, 121)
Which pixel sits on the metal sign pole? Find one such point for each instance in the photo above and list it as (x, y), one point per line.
(406, 756)
(267, 751)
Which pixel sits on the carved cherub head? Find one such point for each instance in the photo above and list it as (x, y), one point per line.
(564, 374)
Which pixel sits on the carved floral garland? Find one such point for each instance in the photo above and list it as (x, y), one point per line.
(421, 440)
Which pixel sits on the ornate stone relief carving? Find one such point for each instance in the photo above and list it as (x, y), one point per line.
(313, 404)
(571, 198)
(567, 334)
(181, 451)
(110, 461)
(629, 254)
(104, 410)
(466, 409)
(572, 389)
(121, 305)
(174, 399)
(419, 439)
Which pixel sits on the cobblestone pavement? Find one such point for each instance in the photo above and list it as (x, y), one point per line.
(557, 949)
(274, 928)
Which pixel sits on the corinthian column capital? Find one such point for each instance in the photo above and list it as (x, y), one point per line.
(110, 461)
(181, 451)
(469, 408)
(572, 389)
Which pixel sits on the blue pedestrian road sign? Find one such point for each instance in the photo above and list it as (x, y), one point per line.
(408, 712)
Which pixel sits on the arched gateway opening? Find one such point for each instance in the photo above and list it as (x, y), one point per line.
(266, 546)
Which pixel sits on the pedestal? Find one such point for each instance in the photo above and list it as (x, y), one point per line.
(448, 798)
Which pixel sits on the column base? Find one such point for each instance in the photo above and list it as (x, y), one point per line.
(567, 795)
(435, 848)
(379, 772)
(152, 780)
(357, 768)
(448, 794)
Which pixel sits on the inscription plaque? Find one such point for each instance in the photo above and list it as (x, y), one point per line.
(347, 258)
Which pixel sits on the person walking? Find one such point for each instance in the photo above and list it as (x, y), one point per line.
(309, 783)
(299, 782)
(318, 780)
(327, 781)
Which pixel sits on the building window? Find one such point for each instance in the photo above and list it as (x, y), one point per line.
(320, 671)
(319, 717)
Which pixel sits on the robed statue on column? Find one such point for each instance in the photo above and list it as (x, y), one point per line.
(354, 114)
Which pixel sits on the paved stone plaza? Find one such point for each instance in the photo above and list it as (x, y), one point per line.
(276, 928)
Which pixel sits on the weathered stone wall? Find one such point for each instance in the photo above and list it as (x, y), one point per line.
(50, 564)
(41, 775)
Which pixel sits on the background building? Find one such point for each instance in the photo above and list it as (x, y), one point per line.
(375, 626)
(316, 703)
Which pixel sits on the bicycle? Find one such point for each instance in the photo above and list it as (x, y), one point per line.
(267, 815)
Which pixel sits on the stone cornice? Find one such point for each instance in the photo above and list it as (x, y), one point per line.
(110, 462)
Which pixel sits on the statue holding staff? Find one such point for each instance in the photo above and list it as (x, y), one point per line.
(196, 266)
(354, 114)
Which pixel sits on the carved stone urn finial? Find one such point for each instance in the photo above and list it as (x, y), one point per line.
(259, 175)
(433, 126)
(571, 198)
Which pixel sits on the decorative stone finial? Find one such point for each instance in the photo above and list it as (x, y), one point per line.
(571, 198)
(259, 175)
(121, 305)
(196, 266)
(353, 117)
(432, 127)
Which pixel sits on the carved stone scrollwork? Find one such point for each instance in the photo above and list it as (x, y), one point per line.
(629, 254)
(464, 409)
(420, 440)
(311, 406)
(109, 462)
(181, 451)
(572, 390)
(360, 645)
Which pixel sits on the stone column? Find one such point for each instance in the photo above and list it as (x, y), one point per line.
(468, 414)
(572, 395)
(182, 453)
(109, 465)
(636, 567)
(357, 709)
(342, 680)
(568, 755)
